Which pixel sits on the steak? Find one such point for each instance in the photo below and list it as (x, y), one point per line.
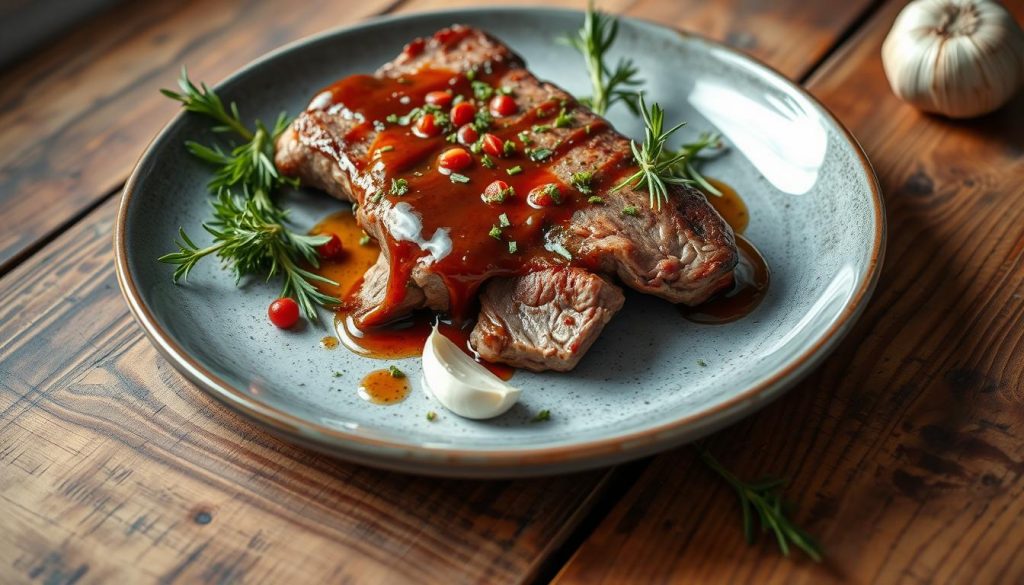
(365, 140)
(546, 320)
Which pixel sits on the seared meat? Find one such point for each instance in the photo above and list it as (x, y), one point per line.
(545, 320)
(683, 252)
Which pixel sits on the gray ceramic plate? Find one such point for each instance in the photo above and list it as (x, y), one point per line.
(816, 215)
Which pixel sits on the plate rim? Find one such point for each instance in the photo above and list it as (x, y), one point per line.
(433, 459)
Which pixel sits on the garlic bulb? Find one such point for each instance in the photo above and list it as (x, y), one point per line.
(961, 58)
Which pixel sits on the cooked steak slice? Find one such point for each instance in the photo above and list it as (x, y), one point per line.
(545, 320)
(360, 140)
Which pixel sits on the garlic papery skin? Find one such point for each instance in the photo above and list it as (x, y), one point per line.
(960, 58)
(460, 384)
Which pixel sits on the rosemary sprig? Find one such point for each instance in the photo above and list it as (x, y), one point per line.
(763, 499)
(656, 163)
(610, 86)
(251, 241)
(708, 145)
(249, 230)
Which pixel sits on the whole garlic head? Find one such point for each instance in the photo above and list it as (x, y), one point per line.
(961, 58)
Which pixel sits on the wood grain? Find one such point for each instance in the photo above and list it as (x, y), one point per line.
(790, 35)
(906, 449)
(116, 468)
(77, 116)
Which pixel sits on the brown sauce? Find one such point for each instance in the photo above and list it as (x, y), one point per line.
(730, 206)
(355, 260)
(329, 342)
(381, 387)
(405, 338)
(751, 276)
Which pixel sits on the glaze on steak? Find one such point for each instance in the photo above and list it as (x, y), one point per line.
(438, 247)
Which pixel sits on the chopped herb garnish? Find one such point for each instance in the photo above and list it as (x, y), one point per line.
(453, 137)
(377, 197)
(482, 120)
(336, 374)
(395, 372)
(509, 148)
(431, 416)
(457, 178)
(581, 181)
(365, 239)
(399, 187)
(514, 170)
(554, 192)
(503, 220)
(702, 363)
(538, 128)
(630, 210)
(595, 200)
(495, 232)
(541, 154)
(482, 90)
(500, 197)
(471, 74)
(524, 137)
(392, 118)
(487, 161)
(476, 147)
(384, 149)
(542, 416)
(563, 120)
(513, 247)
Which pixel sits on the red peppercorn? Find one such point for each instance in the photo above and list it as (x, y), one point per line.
(441, 99)
(496, 192)
(332, 249)
(454, 159)
(426, 126)
(502, 106)
(544, 196)
(462, 113)
(467, 135)
(493, 145)
(283, 312)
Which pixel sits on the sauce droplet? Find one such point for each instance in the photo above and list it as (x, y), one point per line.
(329, 342)
(381, 387)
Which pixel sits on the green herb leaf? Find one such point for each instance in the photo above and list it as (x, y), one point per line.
(655, 172)
(595, 200)
(541, 154)
(457, 178)
(514, 170)
(513, 247)
(542, 416)
(763, 498)
(395, 372)
(581, 181)
(610, 85)
(495, 232)
(503, 220)
(399, 187)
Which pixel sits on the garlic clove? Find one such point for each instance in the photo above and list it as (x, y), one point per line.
(462, 385)
(960, 58)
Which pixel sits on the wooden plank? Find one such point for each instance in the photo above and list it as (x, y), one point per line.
(78, 115)
(905, 449)
(115, 466)
(790, 35)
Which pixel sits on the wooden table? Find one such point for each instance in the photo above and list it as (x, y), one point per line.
(905, 449)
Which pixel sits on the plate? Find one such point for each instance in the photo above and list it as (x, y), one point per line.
(652, 381)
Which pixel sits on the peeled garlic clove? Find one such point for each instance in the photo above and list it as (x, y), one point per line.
(961, 58)
(460, 384)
